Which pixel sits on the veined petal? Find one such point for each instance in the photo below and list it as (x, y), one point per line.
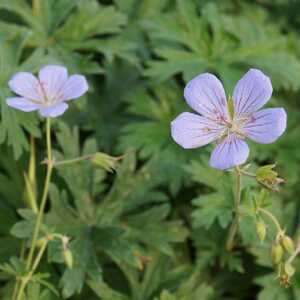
(252, 91)
(205, 94)
(231, 152)
(74, 87)
(25, 85)
(266, 125)
(54, 110)
(22, 104)
(191, 131)
(52, 79)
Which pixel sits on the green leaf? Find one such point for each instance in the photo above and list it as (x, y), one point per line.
(271, 289)
(72, 282)
(23, 229)
(213, 207)
(97, 20)
(119, 249)
(13, 122)
(103, 290)
(223, 43)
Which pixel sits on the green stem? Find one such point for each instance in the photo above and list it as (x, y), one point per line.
(38, 259)
(44, 196)
(16, 288)
(72, 161)
(235, 224)
(36, 7)
(247, 174)
(21, 290)
(294, 255)
(31, 189)
(27, 278)
(272, 217)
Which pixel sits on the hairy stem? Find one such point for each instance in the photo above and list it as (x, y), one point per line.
(16, 288)
(31, 180)
(235, 224)
(44, 196)
(72, 161)
(295, 254)
(273, 218)
(247, 174)
(39, 219)
(27, 278)
(36, 7)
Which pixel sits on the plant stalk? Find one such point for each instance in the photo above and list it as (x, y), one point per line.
(44, 196)
(27, 278)
(235, 224)
(36, 7)
(273, 218)
(72, 161)
(294, 255)
(39, 219)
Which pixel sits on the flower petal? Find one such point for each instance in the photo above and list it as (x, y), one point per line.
(266, 125)
(252, 91)
(74, 87)
(53, 78)
(192, 131)
(25, 85)
(22, 104)
(205, 94)
(54, 110)
(231, 152)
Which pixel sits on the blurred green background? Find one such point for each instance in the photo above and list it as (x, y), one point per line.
(156, 228)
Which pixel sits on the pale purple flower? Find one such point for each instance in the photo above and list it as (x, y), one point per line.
(48, 93)
(230, 122)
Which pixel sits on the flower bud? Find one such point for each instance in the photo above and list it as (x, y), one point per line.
(289, 269)
(102, 160)
(276, 253)
(288, 244)
(261, 230)
(268, 177)
(68, 258)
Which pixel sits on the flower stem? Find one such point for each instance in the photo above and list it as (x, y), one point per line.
(27, 278)
(72, 161)
(44, 196)
(235, 224)
(294, 255)
(247, 174)
(272, 217)
(30, 179)
(16, 288)
(36, 7)
(39, 220)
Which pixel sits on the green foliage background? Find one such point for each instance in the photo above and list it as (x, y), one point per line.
(156, 228)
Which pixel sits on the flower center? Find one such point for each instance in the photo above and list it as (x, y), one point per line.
(235, 127)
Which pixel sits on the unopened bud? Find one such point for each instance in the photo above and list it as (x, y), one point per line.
(289, 269)
(68, 258)
(109, 163)
(268, 177)
(276, 253)
(288, 244)
(261, 230)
